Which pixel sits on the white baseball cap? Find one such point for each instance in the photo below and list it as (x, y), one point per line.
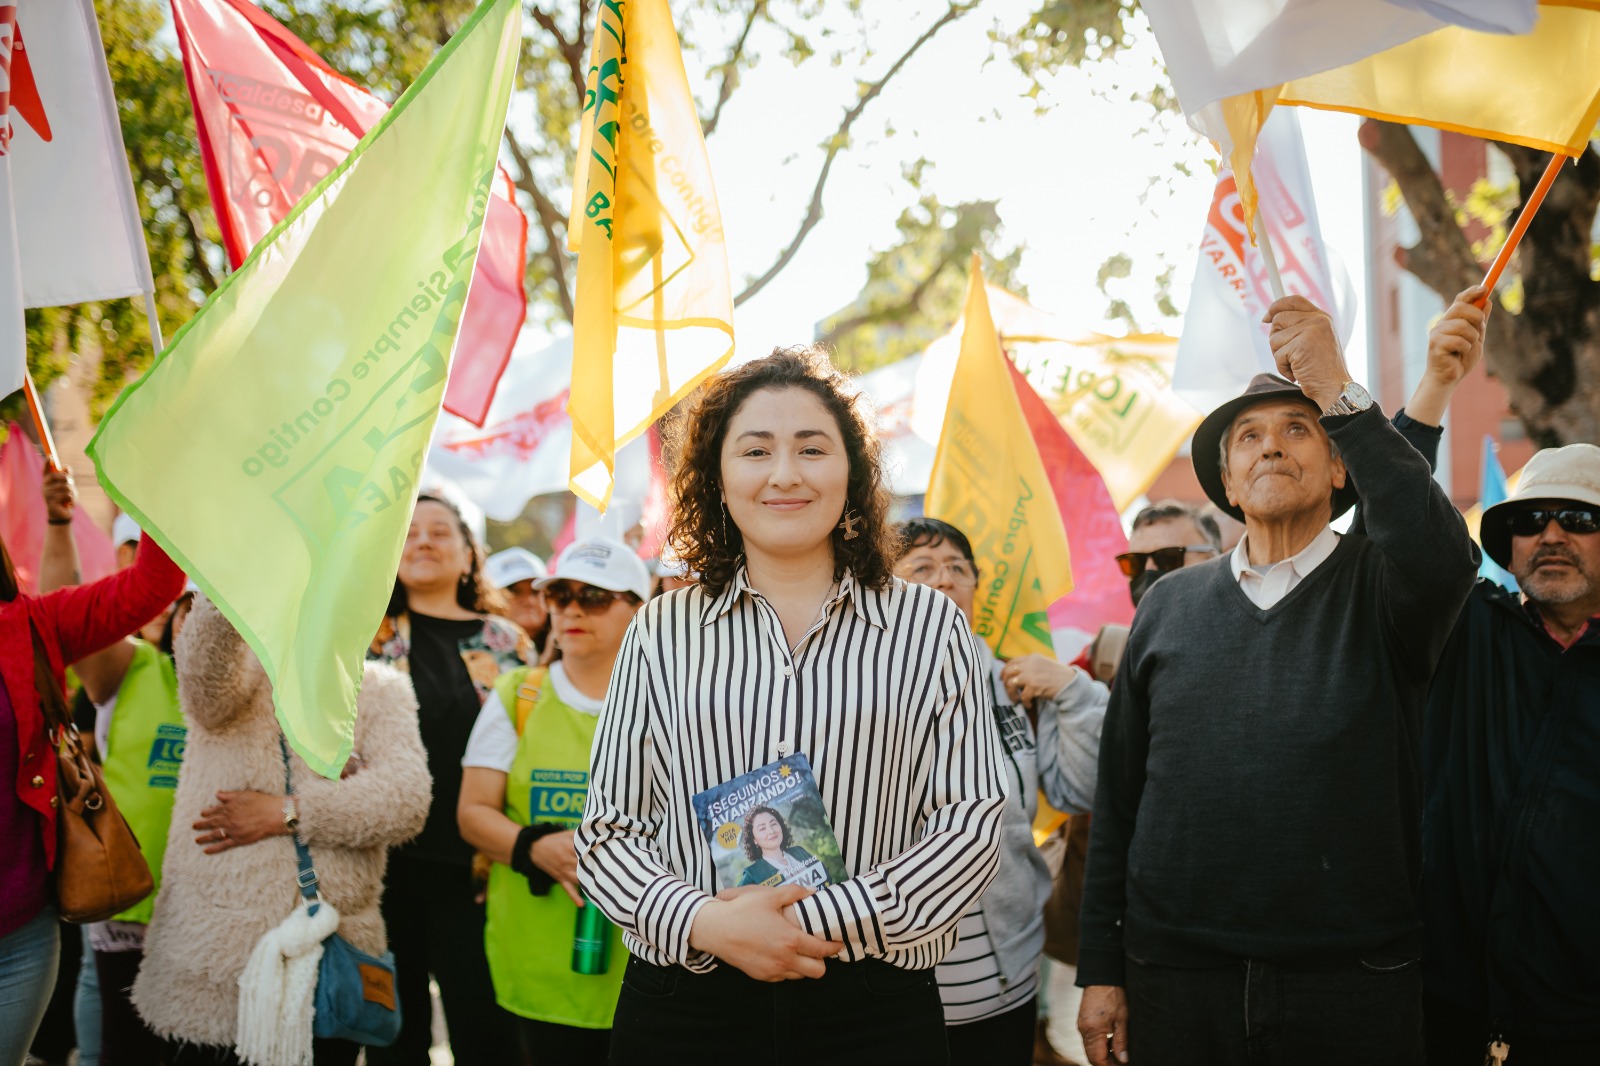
(506, 568)
(603, 563)
(124, 529)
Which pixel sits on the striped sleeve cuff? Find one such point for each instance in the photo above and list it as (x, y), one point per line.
(848, 911)
(665, 914)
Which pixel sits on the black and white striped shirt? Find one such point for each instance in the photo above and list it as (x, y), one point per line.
(886, 696)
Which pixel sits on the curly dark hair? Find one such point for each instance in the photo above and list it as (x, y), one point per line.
(752, 851)
(473, 591)
(713, 547)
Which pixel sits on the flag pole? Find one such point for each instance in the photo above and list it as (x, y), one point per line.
(153, 322)
(1529, 209)
(1274, 279)
(36, 409)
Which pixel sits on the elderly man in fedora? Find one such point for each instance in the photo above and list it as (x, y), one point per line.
(1255, 848)
(1511, 760)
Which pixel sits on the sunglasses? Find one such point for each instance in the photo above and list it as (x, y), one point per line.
(1533, 521)
(1135, 563)
(588, 597)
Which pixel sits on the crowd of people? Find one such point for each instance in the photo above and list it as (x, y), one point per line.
(1330, 798)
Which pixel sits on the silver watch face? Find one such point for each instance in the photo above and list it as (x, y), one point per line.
(1355, 396)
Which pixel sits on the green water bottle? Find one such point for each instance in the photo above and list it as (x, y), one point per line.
(591, 941)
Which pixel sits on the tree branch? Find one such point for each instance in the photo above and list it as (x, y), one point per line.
(1555, 257)
(837, 143)
(730, 69)
(191, 230)
(1442, 257)
(1543, 356)
(572, 50)
(551, 221)
(1442, 250)
(891, 312)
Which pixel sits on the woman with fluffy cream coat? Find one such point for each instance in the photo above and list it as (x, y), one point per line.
(230, 867)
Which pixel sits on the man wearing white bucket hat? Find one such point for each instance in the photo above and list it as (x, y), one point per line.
(1511, 759)
(1511, 765)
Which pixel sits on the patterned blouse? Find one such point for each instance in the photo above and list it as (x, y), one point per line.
(500, 646)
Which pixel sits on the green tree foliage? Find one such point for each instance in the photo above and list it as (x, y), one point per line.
(384, 46)
(916, 287)
(1069, 32)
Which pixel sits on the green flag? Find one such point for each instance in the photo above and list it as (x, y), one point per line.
(274, 447)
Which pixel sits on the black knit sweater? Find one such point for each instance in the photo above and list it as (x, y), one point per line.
(1260, 774)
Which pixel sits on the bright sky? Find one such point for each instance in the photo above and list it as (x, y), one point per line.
(1073, 183)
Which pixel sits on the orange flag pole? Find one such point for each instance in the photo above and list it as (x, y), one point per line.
(36, 409)
(1529, 209)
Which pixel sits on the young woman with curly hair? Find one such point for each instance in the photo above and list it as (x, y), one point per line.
(797, 641)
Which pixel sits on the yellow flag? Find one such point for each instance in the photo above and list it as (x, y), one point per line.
(1539, 89)
(989, 482)
(1113, 394)
(654, 313)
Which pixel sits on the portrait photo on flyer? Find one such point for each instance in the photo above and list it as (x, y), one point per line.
(769, 827)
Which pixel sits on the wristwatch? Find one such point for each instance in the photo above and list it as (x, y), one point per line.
(1353, 399)
(291, 815)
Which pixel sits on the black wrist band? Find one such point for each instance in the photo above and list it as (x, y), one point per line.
(60, 521)
(522, 862)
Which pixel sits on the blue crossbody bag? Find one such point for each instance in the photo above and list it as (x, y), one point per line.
(356, 997)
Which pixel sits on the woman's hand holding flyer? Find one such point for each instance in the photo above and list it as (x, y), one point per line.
(748, 929)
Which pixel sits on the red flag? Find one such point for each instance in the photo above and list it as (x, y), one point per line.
(22, 516)
(273, 120)
(1094, 529)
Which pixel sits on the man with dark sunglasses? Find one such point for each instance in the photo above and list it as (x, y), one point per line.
(1166, 536)
(1511, 770)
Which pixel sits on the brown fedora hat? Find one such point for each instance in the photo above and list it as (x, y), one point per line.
(1205, 448)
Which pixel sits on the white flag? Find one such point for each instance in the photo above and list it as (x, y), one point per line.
(1224, 342)
(71, 227)
(524, 447)
(13, 351)
(1220, 48)
(78, 230)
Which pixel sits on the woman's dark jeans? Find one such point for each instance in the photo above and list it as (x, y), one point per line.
(859, 1012)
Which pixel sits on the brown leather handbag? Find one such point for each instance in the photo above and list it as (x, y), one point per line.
(100, 871)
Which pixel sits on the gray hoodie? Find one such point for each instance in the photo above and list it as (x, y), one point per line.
(1061, 761)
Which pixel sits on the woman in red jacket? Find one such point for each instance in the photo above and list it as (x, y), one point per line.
(72, 622)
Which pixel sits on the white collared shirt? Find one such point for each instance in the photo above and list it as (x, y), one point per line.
(1267, 585)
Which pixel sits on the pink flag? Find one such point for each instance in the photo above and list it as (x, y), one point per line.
(22, 516)
(274, 119)
(1094, 530)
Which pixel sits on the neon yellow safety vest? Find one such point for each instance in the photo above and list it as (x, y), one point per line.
(143, 750)
(528, 938)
